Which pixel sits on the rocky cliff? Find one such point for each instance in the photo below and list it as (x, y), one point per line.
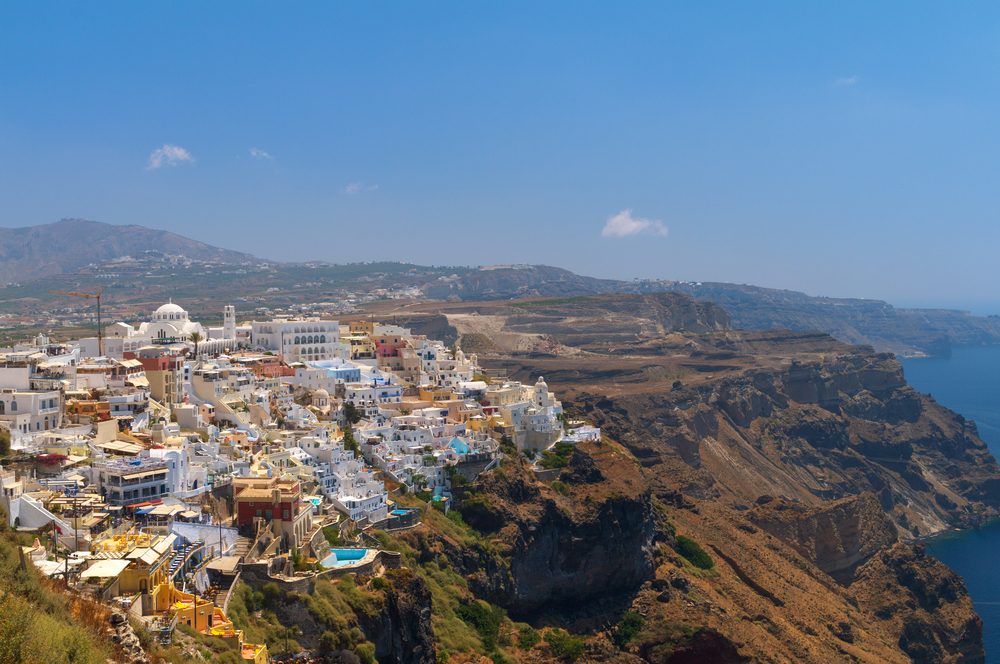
(401, 630)
(786, 472)
(924, 604)
(343, 619)
(838, 426)
(837, 535)
(560, 551)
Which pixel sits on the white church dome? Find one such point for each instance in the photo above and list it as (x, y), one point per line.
(170, 308)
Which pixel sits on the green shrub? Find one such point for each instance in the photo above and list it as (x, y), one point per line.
(332, 535)
(560, 487)
(378, 583)
(366, 653)
(564, 645)
(500, 657)
(271, 592)
(527, 637)
(627, 628)
(485, 618)
(694, 554)
(558, 456)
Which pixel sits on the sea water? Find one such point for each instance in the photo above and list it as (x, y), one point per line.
(969, 382)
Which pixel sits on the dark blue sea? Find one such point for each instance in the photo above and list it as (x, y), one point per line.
(969, 383)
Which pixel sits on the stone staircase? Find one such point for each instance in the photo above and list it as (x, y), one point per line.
(242, 546)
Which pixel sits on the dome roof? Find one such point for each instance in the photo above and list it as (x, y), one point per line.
(170, 308)
(321, 394)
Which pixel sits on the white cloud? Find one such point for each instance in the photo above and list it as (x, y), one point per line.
(624, 224)
(168, 155)
(257, 153)
(357, 187)
(847, 81)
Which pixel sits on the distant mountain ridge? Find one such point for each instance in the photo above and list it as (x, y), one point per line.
(33, 252)
(57, 256)
(856, 321)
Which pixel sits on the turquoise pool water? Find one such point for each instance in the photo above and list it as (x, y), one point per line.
(400, 512)
(342, 557)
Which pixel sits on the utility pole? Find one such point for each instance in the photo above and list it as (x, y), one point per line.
(90, 296)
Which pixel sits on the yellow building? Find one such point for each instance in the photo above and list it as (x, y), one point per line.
(362, 346)
(362, 328)
(204, 617)
(434, 393)
(147, 555)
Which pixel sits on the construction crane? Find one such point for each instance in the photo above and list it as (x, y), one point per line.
(90, 296)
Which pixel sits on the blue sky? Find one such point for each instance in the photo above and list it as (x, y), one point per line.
(845, 148)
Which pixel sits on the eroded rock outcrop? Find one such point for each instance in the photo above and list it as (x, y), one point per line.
(837, 536)
(402, 631)
(561, 551)
(924, 603)
(813, 431)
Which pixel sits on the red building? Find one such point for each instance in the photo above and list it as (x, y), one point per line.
(275, 501)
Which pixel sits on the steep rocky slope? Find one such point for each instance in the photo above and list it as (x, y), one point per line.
(341, 619)
(837, 535)
(797, 465)
(784, 583)
(560, 552)
(826, 429)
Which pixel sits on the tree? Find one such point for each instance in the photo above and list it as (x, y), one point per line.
(4, 442)
(350, 442)
(351, 413)
(195, 338)
(290, 631)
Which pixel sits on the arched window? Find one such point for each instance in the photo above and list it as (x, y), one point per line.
(297, 340)
(13, 406)
(2, 407)
(322, 338)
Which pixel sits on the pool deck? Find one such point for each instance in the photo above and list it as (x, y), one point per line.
(368, 558)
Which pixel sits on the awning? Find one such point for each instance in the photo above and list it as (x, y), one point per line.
(105, 569)
(146, 503)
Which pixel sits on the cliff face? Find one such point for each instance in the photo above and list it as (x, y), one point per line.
(560, 552)
(769, 601)
(924, 604)
(837, 536)
(335, 622)
(837, 427)
(402, 631)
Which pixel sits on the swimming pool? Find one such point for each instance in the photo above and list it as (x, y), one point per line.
(400, 512)
(343, 557)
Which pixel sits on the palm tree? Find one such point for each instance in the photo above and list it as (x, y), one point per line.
(195, 338)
